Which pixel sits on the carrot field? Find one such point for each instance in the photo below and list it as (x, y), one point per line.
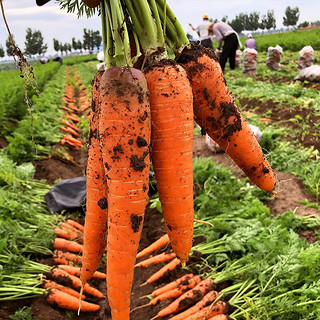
(239, 239)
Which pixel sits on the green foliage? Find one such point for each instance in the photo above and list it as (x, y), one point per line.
(23, 314)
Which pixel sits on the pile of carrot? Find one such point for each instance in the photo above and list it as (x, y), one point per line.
(64, 286)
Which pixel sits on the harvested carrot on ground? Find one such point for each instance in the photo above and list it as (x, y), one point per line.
(76, 271)
(67, 245)
(68, 227)
(96, 216)
(160, 273)
(66, 234)
(207, 300)
(220, 307)
(172, 285)
(70, 130)
(67, 279)
(162, 257)
(172, 143)
(189, 298)
(219, 317)
(75, 224)
(52, 284)
(161, 242)
(63, 300)
(65, 257)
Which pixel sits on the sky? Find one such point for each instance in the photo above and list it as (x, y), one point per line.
(56, 23)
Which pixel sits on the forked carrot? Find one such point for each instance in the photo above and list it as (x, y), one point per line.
(58, 298)
(207, 300)
(67, 258)
(125, 134)
(64, 278)
(172, 285)
(75, 224)
(52, 284)
(76, 271)
(217, 113)
(160, 273)
(220, 307)
(95, 225)
(189, 298)
(171, 104)
(67, 245)
(162, 257)
(161, 242)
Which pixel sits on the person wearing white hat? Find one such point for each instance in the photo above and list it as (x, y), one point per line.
(203, 30)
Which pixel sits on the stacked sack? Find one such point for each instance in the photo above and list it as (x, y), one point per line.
(238, 58)
(305, 57)
(274, 56)
(250, 61)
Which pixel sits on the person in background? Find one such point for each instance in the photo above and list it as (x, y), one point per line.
(250, 42)
(226, 35)
(203, 30)
(58, 59)
(44, 60)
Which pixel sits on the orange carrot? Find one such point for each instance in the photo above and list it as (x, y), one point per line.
(70, 130)
(189, 298)
(64, 278)
(70, 124)
(217, 308)
(162, 257)
(52, 284)
(73, 117)
(75, 271)
(207, 300)
(63, 244)
(171, 104)
(63, 300)
(162, 241)
(160, 273)
(73, 230)
(66, 234)
(219, 317)
(75, 224)
(125, 133)
(65, 257)
(95, 226)
(217, 114)
(172, 285)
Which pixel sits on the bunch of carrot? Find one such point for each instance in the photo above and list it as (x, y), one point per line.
(65, 284)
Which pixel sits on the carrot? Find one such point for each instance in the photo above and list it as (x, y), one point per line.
(76, 271)
(63, 277)
(95, 226)
(207, 300)
(63, 244)
(217, 308)
(219, 317)
(75, 224)
(66, 234)
(64, 300)
(162, 257)
(70, 124)
(216, 112)
(172, 285)
(160, 273)
(125, 133)
(69, 228)
(162, 241)
(70, 130)
(52, 284)
(172, 141)
(65, 257)
(190, 297)
(73, 118)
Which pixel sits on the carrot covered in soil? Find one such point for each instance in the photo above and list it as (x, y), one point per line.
(65, 257)
(63, 244)
(64, 278)
(124, 128)
(216, 113)
(207, 300)
(52, 284)
(189, 298)
(220, 307)
(162, 257)
(172, 285)
(95, 226)
(76, 271)
(161, 242)
(58, 298)
(172, 140)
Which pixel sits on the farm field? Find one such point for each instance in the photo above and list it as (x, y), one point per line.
(263, 252)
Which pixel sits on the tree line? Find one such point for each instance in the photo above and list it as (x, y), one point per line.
(34, 44)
